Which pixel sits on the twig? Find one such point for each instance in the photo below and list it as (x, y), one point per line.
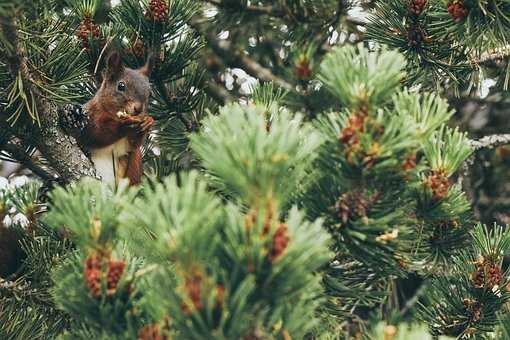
(24, 158)
(163, 89)
(218, 93)
(241, 60)
(412, 302)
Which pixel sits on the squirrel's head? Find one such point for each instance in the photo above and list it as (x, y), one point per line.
(126, 89)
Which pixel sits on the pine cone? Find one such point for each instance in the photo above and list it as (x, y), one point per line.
(151, 332)
(458, 10)
(88, 29)
(193, 284)
(157, 11)
(439, 184)
(115, 271)
(303, 70)
(352, 204)
(138, 49)
(73, 119)
(415, 36)
(280, 242)
(487, 274)
(355, 123)
(409, 163)
(416, 7)
(93, 273)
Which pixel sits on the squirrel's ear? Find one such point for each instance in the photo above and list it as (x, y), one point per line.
(114, 65)
(149, 65)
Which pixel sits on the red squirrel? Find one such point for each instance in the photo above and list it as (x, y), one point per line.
(118, 122)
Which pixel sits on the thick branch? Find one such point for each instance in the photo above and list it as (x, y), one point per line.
(487, 142)
(60, 150)
(491, 141)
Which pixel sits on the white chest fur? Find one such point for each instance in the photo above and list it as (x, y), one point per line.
(106, 160)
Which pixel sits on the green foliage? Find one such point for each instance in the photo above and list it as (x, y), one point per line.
(360, 78)
(428, 112)
(445, 42)
(89, 211)
(112, 315)
(243, 249)
(226, 285)
(216, 270)
(464, 302)
(388, 210)
(268, 95)
(27, 310)
(447, 149)
(255, 158)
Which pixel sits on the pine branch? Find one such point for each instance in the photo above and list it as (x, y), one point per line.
(487, 142)
(16, 152)
(163, 89)
(241, 60)
(62, 151)
(492, 141)
(270, 10)
(275, 12)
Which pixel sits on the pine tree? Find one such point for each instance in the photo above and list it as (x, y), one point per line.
(334, 197)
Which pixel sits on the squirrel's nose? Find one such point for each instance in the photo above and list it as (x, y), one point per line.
(137, 108)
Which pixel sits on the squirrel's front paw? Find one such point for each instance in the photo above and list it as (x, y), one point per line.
(146, 123)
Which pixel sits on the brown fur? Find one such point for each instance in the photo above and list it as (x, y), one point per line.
(106, 127)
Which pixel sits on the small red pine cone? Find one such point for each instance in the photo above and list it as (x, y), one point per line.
(280, 242)
(151, 332)
(193, 286)
(415, 36)
(494, 275)
(92, 274)
(94, 261)
(356, 123)
(478, 277)
(303, 70)
(220, 295)
(458, 10)
(439, 184)
(93, 281)
(409, 163)
(157, 11)
(347, 134)
(88, 29)
(138, 49)
(416, 7)
(115, 271)
(503, 151)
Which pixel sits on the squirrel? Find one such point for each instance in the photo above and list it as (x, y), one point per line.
(118, 122)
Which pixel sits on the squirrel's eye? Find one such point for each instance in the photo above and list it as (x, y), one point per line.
(121, 86)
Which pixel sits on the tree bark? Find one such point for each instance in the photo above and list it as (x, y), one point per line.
(61, 150)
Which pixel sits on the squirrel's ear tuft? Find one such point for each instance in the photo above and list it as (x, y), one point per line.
(114, 65)
(149, 65)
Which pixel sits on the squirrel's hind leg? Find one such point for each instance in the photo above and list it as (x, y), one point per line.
(134, 167)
